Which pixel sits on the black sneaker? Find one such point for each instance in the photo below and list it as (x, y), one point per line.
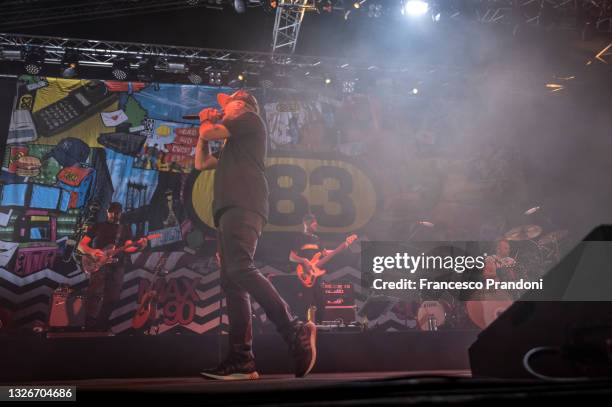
(304, 348)
(233, 369)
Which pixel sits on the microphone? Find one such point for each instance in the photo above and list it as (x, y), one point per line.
(197, 117)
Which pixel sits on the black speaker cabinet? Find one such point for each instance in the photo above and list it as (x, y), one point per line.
(527, 324)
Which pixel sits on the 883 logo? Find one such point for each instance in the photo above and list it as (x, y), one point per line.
(337, 192)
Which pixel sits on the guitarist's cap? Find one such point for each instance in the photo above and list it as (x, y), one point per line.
(115, 207)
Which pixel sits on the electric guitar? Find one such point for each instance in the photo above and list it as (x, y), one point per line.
(146, 303)
(92, 264)
(317, 261)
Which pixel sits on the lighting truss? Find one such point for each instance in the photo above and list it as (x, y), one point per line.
(289, 16)
(104, 53)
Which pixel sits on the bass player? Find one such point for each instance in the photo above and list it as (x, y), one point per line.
(105, 284)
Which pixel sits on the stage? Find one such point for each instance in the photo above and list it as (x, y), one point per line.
(28, 359)
(268, 382)
(437, 387)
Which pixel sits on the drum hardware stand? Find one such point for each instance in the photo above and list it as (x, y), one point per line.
(432, 323)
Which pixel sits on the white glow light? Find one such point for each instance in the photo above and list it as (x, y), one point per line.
(416, 8)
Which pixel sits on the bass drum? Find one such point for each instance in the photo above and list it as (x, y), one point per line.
(484, 310)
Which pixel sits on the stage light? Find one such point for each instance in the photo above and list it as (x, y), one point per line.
(374, 11)
(146, 70)
(267, 77)
(269, 6)
(215, 78)
(324, 6)
(121, 69)
(194, 74)
(70, 64)
(415, 91)
(415, 8)
(34, 60)
(239, 6)
(357, 4)
(348, 87)
(176, 67)
(237, 74)
(328, 80)
(10, 54)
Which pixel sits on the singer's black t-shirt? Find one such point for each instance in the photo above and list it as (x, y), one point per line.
(240, 179)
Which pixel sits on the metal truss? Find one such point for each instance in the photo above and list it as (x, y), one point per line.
(561, 14)
(104, 53)
(289, 16)
(31, 13)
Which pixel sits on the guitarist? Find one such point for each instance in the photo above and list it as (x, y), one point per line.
(105, 284)
(306, 246)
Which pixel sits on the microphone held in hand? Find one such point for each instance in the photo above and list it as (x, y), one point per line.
(197, 117)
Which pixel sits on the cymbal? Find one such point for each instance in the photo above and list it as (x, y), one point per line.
(524, 232)
(553, 237)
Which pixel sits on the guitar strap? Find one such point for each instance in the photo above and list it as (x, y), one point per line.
(118, 234)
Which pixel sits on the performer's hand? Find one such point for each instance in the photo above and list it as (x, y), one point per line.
(326, 252)
(209, 115)
(307, 267)
(142, 242)
(98, 254)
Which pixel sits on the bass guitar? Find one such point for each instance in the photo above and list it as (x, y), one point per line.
(308, 277)
(92, 264)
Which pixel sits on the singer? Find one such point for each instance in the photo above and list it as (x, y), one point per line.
(240, 210)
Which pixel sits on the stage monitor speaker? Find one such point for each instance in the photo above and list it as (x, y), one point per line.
(67, 309)
(578, 328)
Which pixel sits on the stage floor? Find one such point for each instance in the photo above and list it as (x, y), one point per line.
(269, 382)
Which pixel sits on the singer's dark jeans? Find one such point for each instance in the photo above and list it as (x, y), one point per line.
(237, 233)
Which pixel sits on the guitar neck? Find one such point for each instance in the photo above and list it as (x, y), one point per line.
(327, 258)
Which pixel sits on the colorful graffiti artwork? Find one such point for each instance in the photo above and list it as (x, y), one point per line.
(75, 146)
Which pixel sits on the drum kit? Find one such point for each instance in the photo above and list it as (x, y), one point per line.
(532, 254)
(535, 253)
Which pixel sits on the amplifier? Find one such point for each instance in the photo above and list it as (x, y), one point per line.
(339, 302)
(67, 309)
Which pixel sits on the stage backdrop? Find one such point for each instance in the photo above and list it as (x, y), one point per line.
(74, 146)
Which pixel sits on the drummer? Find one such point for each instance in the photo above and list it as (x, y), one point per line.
(500, 266)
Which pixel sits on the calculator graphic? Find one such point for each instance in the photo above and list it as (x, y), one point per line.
(80, 104)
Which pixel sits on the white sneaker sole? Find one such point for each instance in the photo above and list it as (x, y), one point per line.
(234, 376)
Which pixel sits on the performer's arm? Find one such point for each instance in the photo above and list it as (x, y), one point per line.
(213, 131)
(203, 159)
(138, 246)
(84, 247)
(293, 257)
(208, 131)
